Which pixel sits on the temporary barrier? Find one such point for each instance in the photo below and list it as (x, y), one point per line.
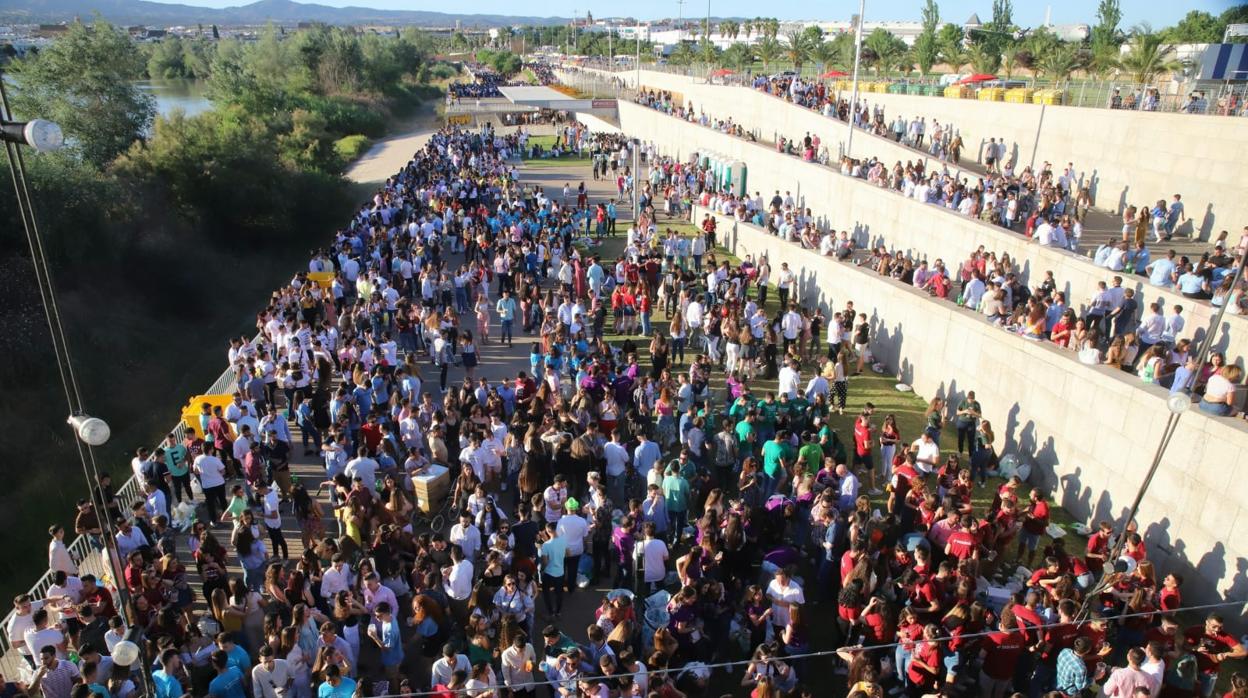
(194, 408)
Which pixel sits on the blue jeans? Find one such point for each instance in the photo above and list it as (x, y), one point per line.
(676, 521)
(645, 323)
(506, 336)
(1219, 409)
(901, 660)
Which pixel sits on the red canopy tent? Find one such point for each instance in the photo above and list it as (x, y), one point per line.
(722, 72)
(834, 74)
(977, 77)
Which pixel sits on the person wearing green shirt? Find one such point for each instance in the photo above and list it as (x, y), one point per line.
(739, 408)
(179, 468)
(676, 495)
(775, 460)
(798, 413)
(237, 505)
(810, 455)
(746, 435)
(768, 409)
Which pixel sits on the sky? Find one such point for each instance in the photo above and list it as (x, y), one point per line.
(1026, 13)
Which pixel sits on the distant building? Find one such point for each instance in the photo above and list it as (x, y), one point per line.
(50, 31)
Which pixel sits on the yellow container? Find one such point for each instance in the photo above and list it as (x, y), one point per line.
(991, 94)
(1019, 95)
(190, 413)
(958, 92)
(324, 279)
(1050, 97)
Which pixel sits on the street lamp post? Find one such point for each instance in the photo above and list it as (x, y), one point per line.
(853, 103)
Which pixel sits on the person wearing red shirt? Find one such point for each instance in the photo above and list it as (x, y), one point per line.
(1034, 523)
(1098, 548)
(1212, 646)
(925, 663)
(1055, 638)
(962, 544)
(903, 477)
(862, 441)
(1166, 635)
(909, 631)
(1000, 654)
(1169, 597)
(1094, 630)
(876, 629)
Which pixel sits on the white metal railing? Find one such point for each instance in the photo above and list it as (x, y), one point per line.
(91, 560)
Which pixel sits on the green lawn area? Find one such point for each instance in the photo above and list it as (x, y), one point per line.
(546, 142)
(879, 390)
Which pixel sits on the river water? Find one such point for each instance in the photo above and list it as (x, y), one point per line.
(188, 95)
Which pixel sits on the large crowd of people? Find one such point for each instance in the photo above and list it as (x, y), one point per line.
(641, 450)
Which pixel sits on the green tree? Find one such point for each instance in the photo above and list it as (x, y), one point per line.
(771, 28)
(822, 54)
(1105, 31)
(84, 81)
(796, 49)
(1148, 56)
(950, 42)
(737, 57)
(768, 50)
(984, 58)
(1196, 27)
(730, 28)
(708, 52)
(681, 55)
(843, 51)
(1059, 63)
(886, 50)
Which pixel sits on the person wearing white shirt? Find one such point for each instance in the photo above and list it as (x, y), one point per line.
(466, 535)
(654, 556)
(444, 669)
(518, 662)
(271, 677)
(572, 527)
(784, 594)
(457, 579)
(59, 558)
(791, 327)
(1152, 327)
(849, 487)
(129, 539)
(337, 578)
(817, 386)
(927, 456)
(789, 381)
(1174, 325)
(973, 292)
(364, 468)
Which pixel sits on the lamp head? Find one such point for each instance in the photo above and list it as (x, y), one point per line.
(40, 134)
(92, 430)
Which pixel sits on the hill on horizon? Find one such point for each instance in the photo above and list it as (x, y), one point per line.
(280, 11)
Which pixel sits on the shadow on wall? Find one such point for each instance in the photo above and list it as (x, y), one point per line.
(1208, 579)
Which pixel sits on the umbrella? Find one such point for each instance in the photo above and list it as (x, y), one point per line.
(722, 72)
(834, 74)
(977, 77)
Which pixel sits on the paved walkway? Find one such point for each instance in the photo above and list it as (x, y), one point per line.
(496, 363)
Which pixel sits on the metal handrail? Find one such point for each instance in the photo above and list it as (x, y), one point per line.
(89, 559)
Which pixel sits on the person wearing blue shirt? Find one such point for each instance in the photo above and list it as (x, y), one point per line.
(1193, 285)
(385, 633)
(506, 308)
(165, 679)
(1160, 271)
(552, 553)
(336, 685)
(236, 655)
(228, 682)
(646, 454)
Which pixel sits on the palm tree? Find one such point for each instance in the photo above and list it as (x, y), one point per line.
(954, 57)
(748, 27)
(729, 28)
(768, 50)
(984, 58)
(1104, 59)
(1059, 63)
(1010, 59)
(797, 49)
(707, 51)
(736, 56)
(886, 50)
(681, 55)
(822, 53)
(1147, 57)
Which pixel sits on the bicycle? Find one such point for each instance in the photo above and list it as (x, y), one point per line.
(435, 519)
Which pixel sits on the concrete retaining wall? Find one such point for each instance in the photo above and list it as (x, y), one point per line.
(1091, 429)
(880, 216)
(1124, 157)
